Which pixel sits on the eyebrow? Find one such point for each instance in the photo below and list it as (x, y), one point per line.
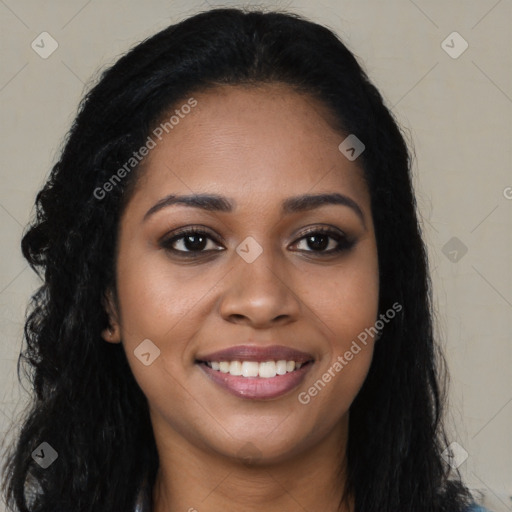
(218, 203)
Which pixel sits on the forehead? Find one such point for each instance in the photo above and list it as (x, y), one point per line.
(255, 144)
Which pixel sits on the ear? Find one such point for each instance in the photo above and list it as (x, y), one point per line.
(112, 333)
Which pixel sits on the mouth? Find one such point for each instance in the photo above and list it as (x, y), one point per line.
(257, 372)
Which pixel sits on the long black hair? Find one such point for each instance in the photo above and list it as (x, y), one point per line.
(86, 402)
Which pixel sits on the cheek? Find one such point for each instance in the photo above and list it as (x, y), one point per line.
(156, 305)
(348, 318)
(155, 299)
(347, 299)
(348, 308)
(159, 305)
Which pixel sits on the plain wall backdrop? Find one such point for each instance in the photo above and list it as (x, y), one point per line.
(454, 102)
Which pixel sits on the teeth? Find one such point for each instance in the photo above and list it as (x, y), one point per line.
(281, 367)
(250, 369)
(235, 368)
(267, 369)
(264, 370)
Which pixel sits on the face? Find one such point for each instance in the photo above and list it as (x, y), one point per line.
(261, 284)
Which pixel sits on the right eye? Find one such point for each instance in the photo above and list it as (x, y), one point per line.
(191, 240)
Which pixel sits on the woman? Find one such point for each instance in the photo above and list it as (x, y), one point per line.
(236, 306)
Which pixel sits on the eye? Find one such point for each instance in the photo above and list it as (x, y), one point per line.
(190, 241)
(318, 239)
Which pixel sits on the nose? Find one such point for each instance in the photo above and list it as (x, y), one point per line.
(260, 294)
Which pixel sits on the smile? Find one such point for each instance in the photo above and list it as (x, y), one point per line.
(265, 370)
(256, 372)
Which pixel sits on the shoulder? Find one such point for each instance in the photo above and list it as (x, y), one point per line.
(476, 508)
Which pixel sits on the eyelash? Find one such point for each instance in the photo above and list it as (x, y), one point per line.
(344, 243)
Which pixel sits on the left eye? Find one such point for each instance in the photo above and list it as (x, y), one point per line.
(319, 239)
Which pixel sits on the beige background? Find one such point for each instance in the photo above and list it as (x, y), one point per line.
(458, 112)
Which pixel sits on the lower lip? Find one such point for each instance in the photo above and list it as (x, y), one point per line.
(257, 388)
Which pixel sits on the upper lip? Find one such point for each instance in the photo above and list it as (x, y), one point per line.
(258, 354)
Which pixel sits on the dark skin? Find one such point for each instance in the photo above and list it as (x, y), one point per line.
(257, 146)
